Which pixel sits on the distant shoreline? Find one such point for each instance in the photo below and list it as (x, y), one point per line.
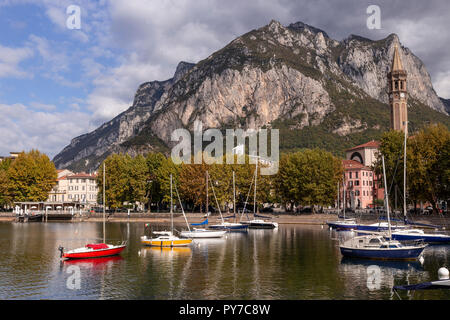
(280, 218)
(307, 219)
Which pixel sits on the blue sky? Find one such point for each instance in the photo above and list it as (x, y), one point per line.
(57, 83)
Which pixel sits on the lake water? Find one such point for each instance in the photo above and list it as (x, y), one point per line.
(292, 262)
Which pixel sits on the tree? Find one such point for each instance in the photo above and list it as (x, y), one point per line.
(193, 183)
(5, 198)
(309, 177)
(428, 175)
(392, 148)
(117, 187)
(31, 176)
(138, 176)
(154, 162)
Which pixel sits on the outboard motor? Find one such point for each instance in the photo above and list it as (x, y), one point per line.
(61, 249)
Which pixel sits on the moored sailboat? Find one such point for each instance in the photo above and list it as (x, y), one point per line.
(95, 250)
(380, 247)
(255, 223)
(166, 238)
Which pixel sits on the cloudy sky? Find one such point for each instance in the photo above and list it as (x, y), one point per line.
(57, 83)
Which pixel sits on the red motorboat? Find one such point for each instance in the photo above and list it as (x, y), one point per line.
(96, 250)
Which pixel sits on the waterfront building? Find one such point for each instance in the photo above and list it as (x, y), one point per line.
(358, 184)
(363, 186)
(80, 188)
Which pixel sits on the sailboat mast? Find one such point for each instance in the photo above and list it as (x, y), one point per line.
(171, 205)
(207, 198)
(345, 202)
(338, 204)
(104, 202)
(386, 198)
(256, 177)
(404, 173)
(234, 195)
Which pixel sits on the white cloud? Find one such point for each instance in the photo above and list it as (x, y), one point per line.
(10, 58)
(24, 128)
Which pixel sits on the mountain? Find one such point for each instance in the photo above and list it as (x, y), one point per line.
(318, 91)
(446, 103)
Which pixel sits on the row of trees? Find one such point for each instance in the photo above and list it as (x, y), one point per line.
(29, 177)
(305, 177)
(428, 167)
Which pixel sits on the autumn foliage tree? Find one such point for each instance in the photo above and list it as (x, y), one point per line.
(30, 177)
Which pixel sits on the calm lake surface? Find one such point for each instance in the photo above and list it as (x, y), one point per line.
(292, 262)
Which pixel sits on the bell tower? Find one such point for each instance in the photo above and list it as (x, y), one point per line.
(398, 95)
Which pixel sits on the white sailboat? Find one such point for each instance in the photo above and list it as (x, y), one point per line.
(225, 225)
(256, 223)
(200, 233)
(345, 224)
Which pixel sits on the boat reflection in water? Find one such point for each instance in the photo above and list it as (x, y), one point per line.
(92, 262)
(375, 276)
(165, 251)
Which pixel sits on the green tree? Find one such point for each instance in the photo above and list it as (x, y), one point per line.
(138, 176)
(309, 177)
(428, 176)
(154, 162)
(392, 147)
(31, 176)
(117, 188)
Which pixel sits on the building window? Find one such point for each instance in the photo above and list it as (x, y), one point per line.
(350, 174)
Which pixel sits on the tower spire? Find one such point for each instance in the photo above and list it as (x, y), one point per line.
(396, 61)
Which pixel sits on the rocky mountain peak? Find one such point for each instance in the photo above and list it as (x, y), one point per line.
(300, 27)
(182, 68)
(294, 75)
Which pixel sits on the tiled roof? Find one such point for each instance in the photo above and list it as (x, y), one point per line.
(370, 144)
(82, 175)
(353, 164)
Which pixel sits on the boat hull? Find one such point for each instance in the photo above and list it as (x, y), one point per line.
(341, 226)
(35, 218)
(378, 228)
(203, 234)
(424, 238)
(229, 227)
(380, 254)
(99, 253)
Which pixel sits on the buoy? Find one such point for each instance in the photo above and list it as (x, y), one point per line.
(443, 274)
(421, 260)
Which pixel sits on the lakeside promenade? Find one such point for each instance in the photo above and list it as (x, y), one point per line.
(280, 218)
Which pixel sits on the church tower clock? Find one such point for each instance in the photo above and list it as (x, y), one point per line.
(398, 95)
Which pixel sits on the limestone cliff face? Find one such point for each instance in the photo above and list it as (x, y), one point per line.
(295, 73)
(367, 62)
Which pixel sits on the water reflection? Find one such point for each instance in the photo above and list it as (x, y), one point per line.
(291, 262)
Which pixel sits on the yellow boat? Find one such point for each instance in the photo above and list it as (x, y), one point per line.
(165, 239)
